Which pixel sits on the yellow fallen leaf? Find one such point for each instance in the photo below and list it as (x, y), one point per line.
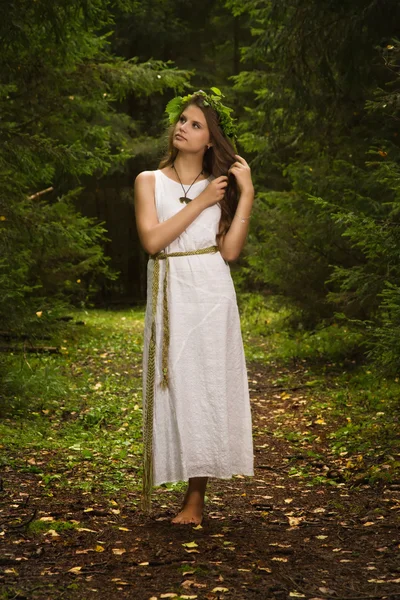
(52, 532)
(264, 569)
(85, 529)
(288, 500)
(245, 570)
(99, 548)
(369, 523)
(75, 570)
(197, 527)
(321, 537)
(123, 529)
(279, 558)
(296, 595)
(11, 571)
(115, 511)
(220, 589)
(294, 521)
(118, 551)
(192, 551)
(190, 545)
(143, 564)
(169, 595)
(46, 519)
(88, 510)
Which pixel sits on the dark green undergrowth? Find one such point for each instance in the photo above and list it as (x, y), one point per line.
(74, 419)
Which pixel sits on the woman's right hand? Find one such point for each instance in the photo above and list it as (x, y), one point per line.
(214, 192)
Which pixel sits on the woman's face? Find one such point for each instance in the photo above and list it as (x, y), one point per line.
(191, 133)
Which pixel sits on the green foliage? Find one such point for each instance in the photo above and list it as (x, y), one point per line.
(320, 95)
(60, 94)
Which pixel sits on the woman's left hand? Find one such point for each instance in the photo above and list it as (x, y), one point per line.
(241, 170)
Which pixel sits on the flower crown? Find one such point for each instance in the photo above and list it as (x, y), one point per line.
(175, 107)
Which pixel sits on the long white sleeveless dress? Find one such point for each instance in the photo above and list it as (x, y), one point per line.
(202, 421)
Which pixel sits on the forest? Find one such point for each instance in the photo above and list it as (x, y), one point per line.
(315, 92)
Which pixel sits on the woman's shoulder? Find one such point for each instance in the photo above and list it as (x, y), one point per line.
(146, 177)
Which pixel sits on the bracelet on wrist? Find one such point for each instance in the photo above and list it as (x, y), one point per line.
(243, 219)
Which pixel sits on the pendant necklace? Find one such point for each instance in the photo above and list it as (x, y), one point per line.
(183, 199)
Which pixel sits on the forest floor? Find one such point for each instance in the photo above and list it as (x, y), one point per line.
(300, 528)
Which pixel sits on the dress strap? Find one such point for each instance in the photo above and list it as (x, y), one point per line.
(150, 379)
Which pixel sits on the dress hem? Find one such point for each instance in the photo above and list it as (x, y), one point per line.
(176, 480)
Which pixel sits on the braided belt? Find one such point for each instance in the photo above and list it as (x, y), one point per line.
(150, 377)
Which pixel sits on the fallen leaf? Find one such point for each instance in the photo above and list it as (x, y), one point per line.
(294, 521)
(85, 529)
(75, 570)
(279, 558)
(123, 529)
(296, 595)
(190, 545)
(169, 595)
(143, 564)
(52, 532)
(46, 519)
(220, 589)
(99, 548)
(118, 551)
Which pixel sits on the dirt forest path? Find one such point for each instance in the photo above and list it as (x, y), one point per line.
(272, 536)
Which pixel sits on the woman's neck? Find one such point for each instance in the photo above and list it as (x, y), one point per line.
(188, 165)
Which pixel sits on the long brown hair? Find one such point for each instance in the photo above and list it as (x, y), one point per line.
(216, 161)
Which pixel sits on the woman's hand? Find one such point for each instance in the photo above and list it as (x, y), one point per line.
(241, 170)
(214, 192)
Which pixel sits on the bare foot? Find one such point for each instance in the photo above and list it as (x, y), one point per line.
(191, 513)
(193, 502)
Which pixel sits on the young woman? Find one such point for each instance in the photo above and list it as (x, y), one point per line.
(192, 217)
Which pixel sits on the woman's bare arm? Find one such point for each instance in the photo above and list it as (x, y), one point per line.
(155, 236)
(232, 242)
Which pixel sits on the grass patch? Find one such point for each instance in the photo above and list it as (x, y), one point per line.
(77, 416)
(37, 527)
(75, 419)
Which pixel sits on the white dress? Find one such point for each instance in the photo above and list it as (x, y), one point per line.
(202, 421)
